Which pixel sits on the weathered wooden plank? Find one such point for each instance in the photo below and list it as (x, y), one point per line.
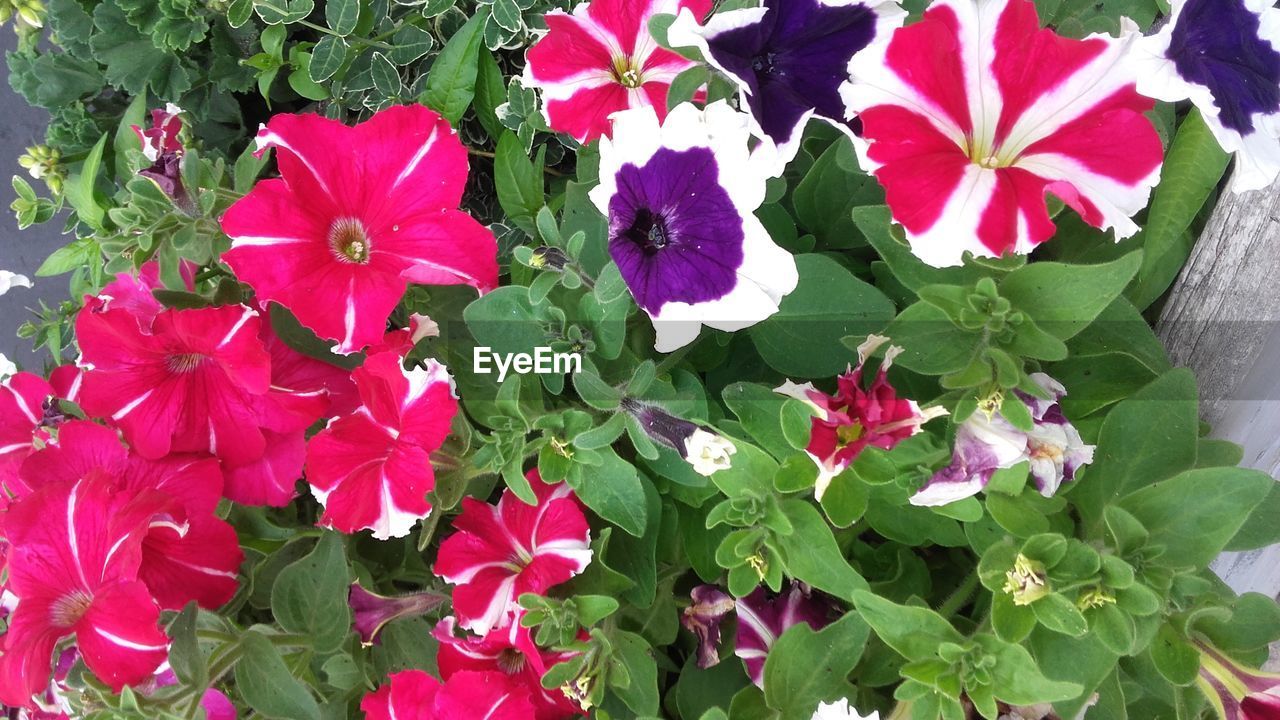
(1221, 321)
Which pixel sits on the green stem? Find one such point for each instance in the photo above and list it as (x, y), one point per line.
(961, 596)
(672, 358)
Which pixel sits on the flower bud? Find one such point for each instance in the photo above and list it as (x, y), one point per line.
(370, 612)
(548, 258)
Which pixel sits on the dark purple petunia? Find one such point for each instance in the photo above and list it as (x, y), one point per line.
(1224, 56)
(790, 57)
(680, 196)
(703, 617)
(761, 621)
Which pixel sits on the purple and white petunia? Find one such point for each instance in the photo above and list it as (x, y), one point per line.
(789, 58)
(761, 621)
(984, 444)
(707, 609)
(1224, 56)
(680, 198)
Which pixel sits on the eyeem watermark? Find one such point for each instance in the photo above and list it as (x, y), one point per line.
(543, 361)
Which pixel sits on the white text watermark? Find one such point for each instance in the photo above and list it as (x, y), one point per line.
(542, 361)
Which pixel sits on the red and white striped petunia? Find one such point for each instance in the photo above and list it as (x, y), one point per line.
(371, 469)
(602, 59)
(76, 547)
(22, 400)
(973, 115)
(358, 214)
(465, 696)
(502, 551)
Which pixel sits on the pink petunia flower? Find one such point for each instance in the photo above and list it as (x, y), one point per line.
(358, 214)
(602, 59)
(371, 469)
(854, 417)
(76, 547)
(501, 552)
(162, 137)
(195, 555)
(518, 658)
(974, 114)
(22, 403)
(466, 696)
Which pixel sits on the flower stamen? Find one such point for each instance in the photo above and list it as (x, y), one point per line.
(349, 240)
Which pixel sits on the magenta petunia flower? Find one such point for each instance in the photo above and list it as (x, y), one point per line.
(856, 417)
(465, 696)
(194, 555)
(22, 403)
(358, 214)
(76, 547)
(972, 115)
(517, 657)
(501, 552)
(602, 59)
(371, 469)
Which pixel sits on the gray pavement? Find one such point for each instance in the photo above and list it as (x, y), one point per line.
(22, 251)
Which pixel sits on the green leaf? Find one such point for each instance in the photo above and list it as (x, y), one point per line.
(825, 198)
(79, 187)
(1017, 680)
(126, 139)
(185, 657)
(802, 338)
(504, 321)
(451, 81)
(491, 91)
(134, 64)
(519, 182)
(1263, 526)
(914, 632)
(327, 57)
(385, 76)
(1192, 168)
(613, 491)
(266, 684)
(759, 411)
(633, 654)
(1175, 658)
(1059, 614)
(310, 596)
(875, 222)
(811, 554)
(635, 556)
(342, 15)
(410, 43)
(1149, 437)
(806, 667)
(931, 344)
(283, 12)
(1064, 299)
(1195, 514)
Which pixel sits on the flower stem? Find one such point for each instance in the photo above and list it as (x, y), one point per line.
(961, 596)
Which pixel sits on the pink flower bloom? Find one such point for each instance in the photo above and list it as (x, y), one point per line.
(73, 564)
(65, 380)
(192, 382)
(854, 417)
(195, 555)
(22, 403)
(521, 660)
(973, 115)
(371, 469)
(501, 552)
(359, 213)
(602, 59)
(466, 696)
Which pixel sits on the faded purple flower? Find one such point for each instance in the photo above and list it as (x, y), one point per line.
(703, 618)
(160, 145)
(762, 621)
(680, 197)
(370, 612)
(986, 443)
(789, 59)
(707, 451)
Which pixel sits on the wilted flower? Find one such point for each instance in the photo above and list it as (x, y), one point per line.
(681, 197)
(706, 451)
(1223, 56)
(974, 114)
(1237, 692)
(854, 417)
(762, 621)
(160, 145)
(703, 617)
(370, 612)
(984, 444)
